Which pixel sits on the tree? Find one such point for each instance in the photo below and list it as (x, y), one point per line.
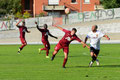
(110, 3)
(10, 6)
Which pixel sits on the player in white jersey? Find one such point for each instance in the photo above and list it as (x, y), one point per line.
(95, 37)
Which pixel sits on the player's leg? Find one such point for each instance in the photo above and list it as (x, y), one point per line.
(24, 43)
(97, 61)
(93, 56)
(42, 48)
(66, 51)
(57, 48)
(47, 49)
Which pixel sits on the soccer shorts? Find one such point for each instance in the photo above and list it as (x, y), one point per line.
(46, 44)
(23, 41)
(95, 51)
(59, 46)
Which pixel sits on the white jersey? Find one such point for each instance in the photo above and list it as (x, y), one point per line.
(95, 39)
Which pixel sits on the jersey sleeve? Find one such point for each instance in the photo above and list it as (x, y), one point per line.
(101, 34)
(78, 39)
(88, 35)
(26, 29)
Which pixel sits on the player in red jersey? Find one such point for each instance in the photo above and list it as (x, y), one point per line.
(65, 41)
(22, 30)
(45, 32)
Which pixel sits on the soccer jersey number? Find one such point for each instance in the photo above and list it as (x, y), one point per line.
(68, 38)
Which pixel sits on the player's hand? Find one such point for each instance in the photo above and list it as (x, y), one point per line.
(35, 22)
(28, 31)
(56, 37)
(88, 47)
(84, 46)
(108, 38)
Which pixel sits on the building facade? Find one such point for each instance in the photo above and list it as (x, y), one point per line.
(57, 7)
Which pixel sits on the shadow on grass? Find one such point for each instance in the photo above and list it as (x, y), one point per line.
(102, 66)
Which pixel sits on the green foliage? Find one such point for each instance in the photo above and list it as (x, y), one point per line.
(10, 6)
(41, 14)
(18, 15)
(26, 14)
(111, 3)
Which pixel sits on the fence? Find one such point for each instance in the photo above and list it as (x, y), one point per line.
(72, 18)
(94, 15)
(11, 24)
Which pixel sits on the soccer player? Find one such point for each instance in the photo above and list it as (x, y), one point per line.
(64, 43)
(95, 37)
(45, 32)
(23, 30)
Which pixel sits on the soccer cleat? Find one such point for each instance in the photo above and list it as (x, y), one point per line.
(39, 51)
(90, 64)
(47, 57)
(64, 67)
(19, 51)
(97, 62)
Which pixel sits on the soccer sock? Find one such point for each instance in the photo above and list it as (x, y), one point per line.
(22, 47)
(47, 52)
(52, 57)
(43, 48)
(65, 61)
(93, 58)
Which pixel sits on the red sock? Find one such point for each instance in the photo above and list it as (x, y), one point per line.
(47, 51)
(22, 46)
(65, 61)
(43, 49)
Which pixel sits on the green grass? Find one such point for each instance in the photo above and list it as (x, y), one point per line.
(31, 66)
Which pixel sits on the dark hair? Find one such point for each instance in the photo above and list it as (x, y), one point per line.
(45, 26)
(74, 29)
(96, 26)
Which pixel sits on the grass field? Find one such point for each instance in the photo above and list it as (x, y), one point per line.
(33, 66)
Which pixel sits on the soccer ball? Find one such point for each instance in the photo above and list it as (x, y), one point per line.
(67, 10)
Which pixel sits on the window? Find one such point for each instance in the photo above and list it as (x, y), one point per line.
(27, 4)
(86, 1)
(73, 1)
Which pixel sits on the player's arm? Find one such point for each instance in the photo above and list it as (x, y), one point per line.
(38, 27)
(58, 27)
(27, 30)
(107, 37)
(51, 35)
(18, 23)
(84, 44)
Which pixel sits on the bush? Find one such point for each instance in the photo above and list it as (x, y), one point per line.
(26, 14)
(18, 15)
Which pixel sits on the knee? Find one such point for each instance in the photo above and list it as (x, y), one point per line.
(25, 44)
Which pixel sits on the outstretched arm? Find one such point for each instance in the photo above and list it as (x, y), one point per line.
(58, 27)
(106, 36)
(85, 45)
(18, 23)
(38, 27)
(52, 35)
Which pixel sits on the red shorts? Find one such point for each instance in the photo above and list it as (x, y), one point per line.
(23, 41)
(59, 46)
(46, 44)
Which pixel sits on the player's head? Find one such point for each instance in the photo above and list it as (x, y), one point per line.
(23, 23)
(45, 26)
(94, 28)
(74, 30)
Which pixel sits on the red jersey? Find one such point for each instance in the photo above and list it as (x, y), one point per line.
(22, 31)
(45, 33)
(68, 38)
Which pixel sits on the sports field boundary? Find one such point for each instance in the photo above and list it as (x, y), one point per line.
(75, 42)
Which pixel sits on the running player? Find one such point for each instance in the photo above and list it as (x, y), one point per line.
(95, 37)
(64, 43)
(45, 32)
(22, 30)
